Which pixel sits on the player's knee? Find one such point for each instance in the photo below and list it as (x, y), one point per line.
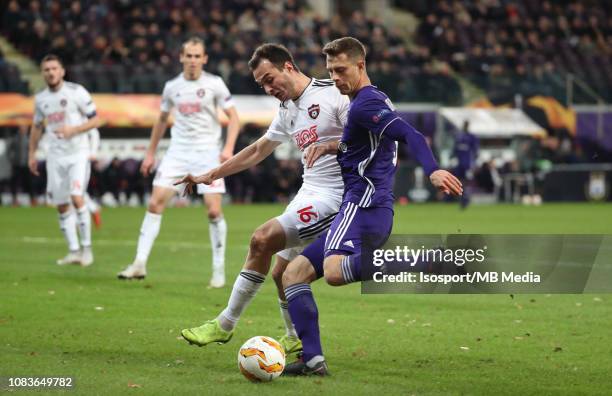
(260, 242)
(77, 201)
(332, 274)
(214, 214)
(156, 205)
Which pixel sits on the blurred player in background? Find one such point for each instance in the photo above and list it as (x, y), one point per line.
(194, 96)
(466, 153)
(66, 111)
(93, 207)
(312, 113)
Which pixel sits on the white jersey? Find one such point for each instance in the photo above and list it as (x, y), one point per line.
(69, 105)
(195, 102)
(318, 115)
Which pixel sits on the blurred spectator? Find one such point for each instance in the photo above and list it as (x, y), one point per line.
(128, 46)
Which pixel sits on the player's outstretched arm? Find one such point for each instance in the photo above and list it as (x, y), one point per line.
(157, 132)
(317, 150)
(444, 181)
(233, 128)
(246, 158)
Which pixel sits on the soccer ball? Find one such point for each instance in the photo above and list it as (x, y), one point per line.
(261, 359)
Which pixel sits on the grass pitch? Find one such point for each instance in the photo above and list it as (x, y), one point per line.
(119, 337)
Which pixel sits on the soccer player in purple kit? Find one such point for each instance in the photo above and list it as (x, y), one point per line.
(466, 152)
(366, 154)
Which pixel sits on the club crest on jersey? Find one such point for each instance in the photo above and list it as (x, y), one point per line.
(63, 102)
(313, 111)
(342, 147)
(200, 92)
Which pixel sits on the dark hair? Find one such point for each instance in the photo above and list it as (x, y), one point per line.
(277, 54)
(52, 57)
(195, 41)
(350, 46)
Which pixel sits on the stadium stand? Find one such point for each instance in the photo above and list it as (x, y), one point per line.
(526, 47)
(129, 46)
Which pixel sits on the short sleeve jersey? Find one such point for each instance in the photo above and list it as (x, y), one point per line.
(70, 105)
(194, 104)
(318, 115)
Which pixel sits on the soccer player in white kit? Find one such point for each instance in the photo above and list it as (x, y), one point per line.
(194, 148)
(66, 111)
(312, 114)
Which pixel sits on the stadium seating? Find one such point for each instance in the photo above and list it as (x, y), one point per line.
(131, 46)
(529, 45)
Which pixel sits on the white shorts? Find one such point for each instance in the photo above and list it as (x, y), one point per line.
(177, 164)
(67, 176)
(307, 216)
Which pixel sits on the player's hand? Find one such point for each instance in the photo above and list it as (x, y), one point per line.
(191, 181)
(446, 182)
(65, 132)
(147, 164)
(226, 154)
(317, 150)
(33, 165)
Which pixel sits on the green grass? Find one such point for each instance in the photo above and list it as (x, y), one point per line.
(390, 344)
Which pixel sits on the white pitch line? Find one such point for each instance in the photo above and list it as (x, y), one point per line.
(107, 242)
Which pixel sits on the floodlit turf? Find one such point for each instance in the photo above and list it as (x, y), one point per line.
(117, 337)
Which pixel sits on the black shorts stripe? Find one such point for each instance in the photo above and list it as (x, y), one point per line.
(317, 227)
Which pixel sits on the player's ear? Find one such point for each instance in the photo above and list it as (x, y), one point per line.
(289, 66)
(205, 59)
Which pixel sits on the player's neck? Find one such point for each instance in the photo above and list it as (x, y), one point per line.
(192, 77)
(302, 82)
(364, 81)
(56, 87)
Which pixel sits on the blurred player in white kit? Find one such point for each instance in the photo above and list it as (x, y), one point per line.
(65, 111)
(194, 97)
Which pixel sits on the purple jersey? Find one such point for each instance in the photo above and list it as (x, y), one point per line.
(466, 150)
(366, 155)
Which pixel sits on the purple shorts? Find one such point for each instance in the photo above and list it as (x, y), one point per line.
(347, 232)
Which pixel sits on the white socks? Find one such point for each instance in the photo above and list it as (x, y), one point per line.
(218, 234)
(68, 225)
(289, 327)
(246, 286)
(148, 232)
(84, 218)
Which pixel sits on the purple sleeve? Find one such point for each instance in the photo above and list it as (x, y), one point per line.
(399, 130)
(376, 116)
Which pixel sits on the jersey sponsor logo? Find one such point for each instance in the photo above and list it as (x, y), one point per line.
(313, 111)
(200, 92)
(349, 244)
(306, 214)
(189, 108)
(57, 117)
(306, 137)
(63, 102)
